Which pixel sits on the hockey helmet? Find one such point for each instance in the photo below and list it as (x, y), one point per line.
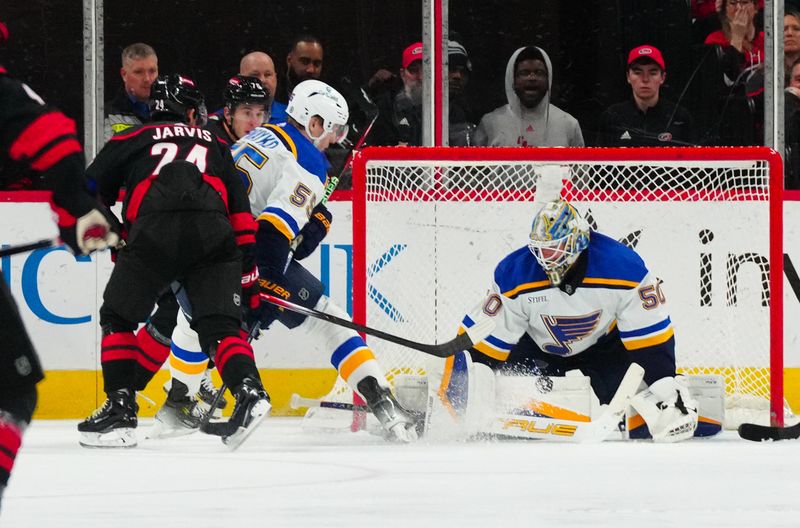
(243, 89)
(174, 95)
(315, 98)
(558, 236)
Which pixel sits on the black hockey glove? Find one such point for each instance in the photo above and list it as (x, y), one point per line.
(313, 232)
(268, 313)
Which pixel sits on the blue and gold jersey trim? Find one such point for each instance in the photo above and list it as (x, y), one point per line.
(284, 138)
(528, 287)
(611, 284)
(491, 346)
(282, 221)
(649, 336)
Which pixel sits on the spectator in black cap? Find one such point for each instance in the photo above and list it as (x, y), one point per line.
(646, 119)
(461, 119)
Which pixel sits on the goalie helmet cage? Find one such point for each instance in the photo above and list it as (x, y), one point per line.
(430, 225)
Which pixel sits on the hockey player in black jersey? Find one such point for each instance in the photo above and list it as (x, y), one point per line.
(42, 139)
(187, 219)
(246, 107)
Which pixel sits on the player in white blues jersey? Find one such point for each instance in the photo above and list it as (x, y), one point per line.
(578, 299)
(286, 172)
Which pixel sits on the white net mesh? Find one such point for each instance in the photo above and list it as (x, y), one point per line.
(435, 230)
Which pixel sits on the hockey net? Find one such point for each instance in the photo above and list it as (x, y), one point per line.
(430, 225)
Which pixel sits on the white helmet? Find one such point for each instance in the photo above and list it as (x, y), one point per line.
(315, 98)
(558, 236)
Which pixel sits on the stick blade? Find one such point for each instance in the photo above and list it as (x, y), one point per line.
(606, 424)
(762, 433)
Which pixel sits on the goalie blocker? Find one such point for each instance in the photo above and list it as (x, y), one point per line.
(462, 399)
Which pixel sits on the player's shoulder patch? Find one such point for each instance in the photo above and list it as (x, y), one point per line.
(519, 273)
(612, 264)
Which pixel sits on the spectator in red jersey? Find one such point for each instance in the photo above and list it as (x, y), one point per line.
(742, 43)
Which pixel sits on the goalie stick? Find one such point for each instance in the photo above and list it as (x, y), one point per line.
(468, 339)
(762, 433)
(24, 248)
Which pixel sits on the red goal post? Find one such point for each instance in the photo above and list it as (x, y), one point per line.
(429, 224)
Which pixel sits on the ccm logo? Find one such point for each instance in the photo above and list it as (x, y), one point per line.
(530, 427)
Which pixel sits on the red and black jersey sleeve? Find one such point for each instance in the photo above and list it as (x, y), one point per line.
(244, 225)
(44, 139)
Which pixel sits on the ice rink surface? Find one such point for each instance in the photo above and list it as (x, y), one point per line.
(288, 476)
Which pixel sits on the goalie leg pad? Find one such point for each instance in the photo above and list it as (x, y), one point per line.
(542, 407)
(411, 392)
(668, 410)
(460, 398)
(709, 393)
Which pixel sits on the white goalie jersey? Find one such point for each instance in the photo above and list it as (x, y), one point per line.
(611, 291)
(285, 175)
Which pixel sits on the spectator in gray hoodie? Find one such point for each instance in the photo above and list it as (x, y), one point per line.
(529, 120)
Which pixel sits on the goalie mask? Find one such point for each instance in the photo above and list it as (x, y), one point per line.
(558, 236)
(173, 95)
(315, 98)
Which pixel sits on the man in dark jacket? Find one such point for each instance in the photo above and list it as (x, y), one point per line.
(129, 107)
(646, 119)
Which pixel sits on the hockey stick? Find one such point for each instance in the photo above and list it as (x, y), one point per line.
(334, 181)
(468, 339)
(24, 248)
(762, 433)
(297, 401)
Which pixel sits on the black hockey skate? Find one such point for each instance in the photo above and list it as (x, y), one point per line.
(180, 415)
(252, 406)
(113, 424)
(206, 395)
(398, 423)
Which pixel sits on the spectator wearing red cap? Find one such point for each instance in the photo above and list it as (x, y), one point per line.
(407, 107)
(646, 119)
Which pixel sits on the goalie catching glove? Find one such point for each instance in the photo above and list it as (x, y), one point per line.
(668, 409)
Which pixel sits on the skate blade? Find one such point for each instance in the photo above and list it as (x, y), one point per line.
(204, 407)
(162, 430)
(258, 412)
(116, 438)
